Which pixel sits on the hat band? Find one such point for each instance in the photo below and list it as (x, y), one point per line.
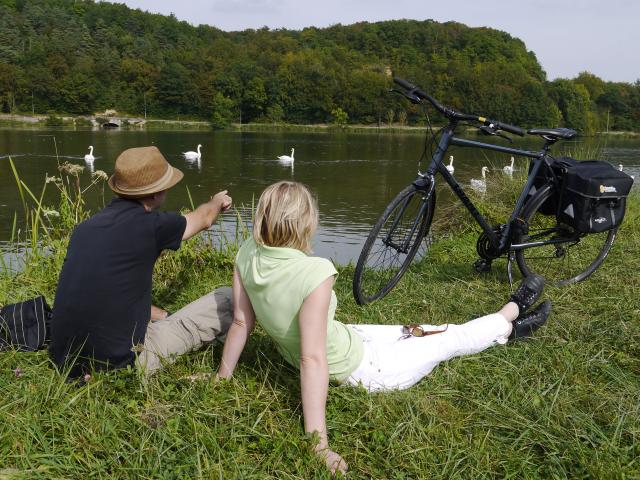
(164, 179)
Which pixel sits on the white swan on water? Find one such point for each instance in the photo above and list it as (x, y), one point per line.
(286, 159)
(450, 167)
(508, 169)
(89, 158)
(480, 185)
(191, 155)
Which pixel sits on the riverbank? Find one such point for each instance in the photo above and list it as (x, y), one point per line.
(129, 122)
(99, 121)
(561, 405)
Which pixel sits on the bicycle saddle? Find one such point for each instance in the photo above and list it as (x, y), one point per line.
(553, 133)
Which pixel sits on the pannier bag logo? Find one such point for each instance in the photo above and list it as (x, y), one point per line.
(569, 211)
(600, 220)
(605, 189)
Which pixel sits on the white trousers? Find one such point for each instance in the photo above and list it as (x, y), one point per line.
(391, 362)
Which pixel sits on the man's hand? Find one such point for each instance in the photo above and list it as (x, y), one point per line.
(222, 201)
(157, 314)
(334, 462)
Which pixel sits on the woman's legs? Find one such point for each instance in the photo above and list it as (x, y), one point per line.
(510, 311)
(393, 361)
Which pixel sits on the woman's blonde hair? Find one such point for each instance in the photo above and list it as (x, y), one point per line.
(286, 216)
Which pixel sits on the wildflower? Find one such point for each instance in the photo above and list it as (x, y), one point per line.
(18, 372)
(71, 168)
(100, 174)
(87, 377)
(49, 179)
(51, 213)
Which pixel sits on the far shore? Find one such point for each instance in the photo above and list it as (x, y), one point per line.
(111, 120)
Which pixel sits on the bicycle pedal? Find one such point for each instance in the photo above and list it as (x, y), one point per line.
(482, 265)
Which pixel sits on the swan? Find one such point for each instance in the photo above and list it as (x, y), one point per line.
(450, 167)
(508, 169)
(286, 159)
(89, 158)
(192, 155)
(480, 184)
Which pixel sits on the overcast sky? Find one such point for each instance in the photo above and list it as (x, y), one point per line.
(567, 36)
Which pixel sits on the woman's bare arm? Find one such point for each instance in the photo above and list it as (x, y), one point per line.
(314, 370)
(244, 320)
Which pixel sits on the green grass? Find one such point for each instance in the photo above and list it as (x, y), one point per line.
(565, 404)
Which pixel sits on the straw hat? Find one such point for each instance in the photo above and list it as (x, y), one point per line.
(141, 172)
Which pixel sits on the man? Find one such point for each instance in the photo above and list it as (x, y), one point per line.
(103, 301)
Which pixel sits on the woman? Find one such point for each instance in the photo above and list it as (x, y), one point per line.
(291, 295)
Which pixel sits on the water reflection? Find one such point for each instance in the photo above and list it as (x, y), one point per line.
(13, 258)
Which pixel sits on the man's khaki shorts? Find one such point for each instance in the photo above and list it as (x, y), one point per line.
(189, 329)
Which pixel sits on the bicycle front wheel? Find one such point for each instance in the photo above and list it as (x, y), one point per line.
(393, 243)
(571, 258)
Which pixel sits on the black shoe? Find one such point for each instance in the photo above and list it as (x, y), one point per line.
(528, 292)
(525, 325)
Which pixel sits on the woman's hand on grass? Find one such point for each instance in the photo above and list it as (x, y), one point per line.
(334, 462)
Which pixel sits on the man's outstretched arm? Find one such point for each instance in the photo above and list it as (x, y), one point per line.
(206, 214)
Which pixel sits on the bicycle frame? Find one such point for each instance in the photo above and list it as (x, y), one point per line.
(500, 243)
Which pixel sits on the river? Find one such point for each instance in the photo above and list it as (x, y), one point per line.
(353, 175)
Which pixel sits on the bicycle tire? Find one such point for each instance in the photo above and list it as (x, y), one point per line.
(559, 263)
(379, 269)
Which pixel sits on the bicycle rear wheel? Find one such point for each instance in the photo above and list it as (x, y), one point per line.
(572, 259)
(392, 244)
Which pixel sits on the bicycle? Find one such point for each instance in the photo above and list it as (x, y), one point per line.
(536, 241)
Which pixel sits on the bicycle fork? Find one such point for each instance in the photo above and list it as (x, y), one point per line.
(426, 195)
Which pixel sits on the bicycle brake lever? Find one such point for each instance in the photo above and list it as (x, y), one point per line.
(490, 131)
(504, 136)
(412, 98)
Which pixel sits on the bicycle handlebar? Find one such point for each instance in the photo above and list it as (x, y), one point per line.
(414, 91)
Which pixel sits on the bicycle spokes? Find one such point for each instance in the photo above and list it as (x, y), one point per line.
(399, 237)
(394, 241)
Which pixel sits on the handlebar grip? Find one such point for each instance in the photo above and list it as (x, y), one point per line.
(454, 114)
(415, 90)
(403, 83)
(512, 129)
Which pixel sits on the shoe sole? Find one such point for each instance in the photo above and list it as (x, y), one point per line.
(545, 309)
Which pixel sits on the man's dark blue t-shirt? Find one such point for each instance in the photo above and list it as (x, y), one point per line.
(103, 299)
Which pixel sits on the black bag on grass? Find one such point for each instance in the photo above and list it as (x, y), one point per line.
(593, 196)
(553, 168)
(25, 325)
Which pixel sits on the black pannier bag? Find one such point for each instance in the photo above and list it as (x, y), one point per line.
(553, 168)
(593, 196)
(25, 325)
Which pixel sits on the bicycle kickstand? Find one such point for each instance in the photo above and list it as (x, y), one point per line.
(510, 260)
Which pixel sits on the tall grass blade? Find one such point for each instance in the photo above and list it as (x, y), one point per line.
(36, 217)
(14, 226)
(19, 182)
(191, 204)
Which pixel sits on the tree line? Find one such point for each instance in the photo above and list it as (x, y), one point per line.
(80, 57)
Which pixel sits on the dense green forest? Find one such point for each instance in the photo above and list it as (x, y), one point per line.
(82, 57)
